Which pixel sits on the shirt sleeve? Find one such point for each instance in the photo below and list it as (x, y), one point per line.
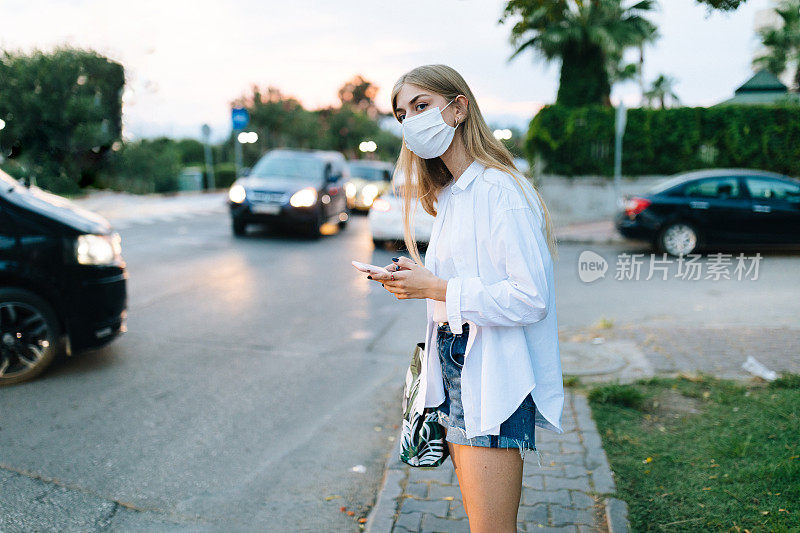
(523, 296)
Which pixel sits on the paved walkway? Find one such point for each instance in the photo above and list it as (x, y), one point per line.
(598, 232)
(125, 209)
(571, 492)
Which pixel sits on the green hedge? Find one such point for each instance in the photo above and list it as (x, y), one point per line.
(580, 140)
(224, 175)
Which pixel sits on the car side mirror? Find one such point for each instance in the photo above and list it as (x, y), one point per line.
(334, 177)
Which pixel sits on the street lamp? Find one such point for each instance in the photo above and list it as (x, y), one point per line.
(247, 137)
(367, 146)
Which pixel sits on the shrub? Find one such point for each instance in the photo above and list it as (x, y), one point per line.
(580, 140)
(224, 175)
(145, 166)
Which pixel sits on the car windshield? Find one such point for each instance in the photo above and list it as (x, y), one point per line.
(368, 172)
(288, 166)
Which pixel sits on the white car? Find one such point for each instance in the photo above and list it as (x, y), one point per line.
(386, 220)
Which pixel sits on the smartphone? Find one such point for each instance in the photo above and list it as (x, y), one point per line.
(371, 269)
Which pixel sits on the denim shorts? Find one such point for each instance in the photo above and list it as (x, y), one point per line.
(518, 431)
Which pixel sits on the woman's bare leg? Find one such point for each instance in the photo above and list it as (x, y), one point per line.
(457, 467)
(491, 485)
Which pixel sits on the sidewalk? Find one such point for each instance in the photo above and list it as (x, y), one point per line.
(571, 492)
(598, 232)
(126, 209)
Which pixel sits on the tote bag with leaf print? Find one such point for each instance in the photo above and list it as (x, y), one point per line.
(422, 441)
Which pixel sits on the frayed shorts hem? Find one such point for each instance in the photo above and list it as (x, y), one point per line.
(457, 435)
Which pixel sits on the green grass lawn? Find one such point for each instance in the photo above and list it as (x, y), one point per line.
(704, 454)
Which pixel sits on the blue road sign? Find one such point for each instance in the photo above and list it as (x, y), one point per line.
(240, 118)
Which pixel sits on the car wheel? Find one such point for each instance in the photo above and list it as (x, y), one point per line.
(379, 243)
(239, 227)
(29, 336)
(678, 238)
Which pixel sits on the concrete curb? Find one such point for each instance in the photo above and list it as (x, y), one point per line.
(381, 518)
(572, 239)
(601, 231)
(617, 516)
(172, 194)
(616, 510)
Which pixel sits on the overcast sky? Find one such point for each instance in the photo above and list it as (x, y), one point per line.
(187, 59)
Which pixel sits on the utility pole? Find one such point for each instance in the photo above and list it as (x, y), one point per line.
(206, 129)
(620, 131)
(240, 119)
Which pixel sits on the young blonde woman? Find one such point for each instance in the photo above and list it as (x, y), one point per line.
(493, 370)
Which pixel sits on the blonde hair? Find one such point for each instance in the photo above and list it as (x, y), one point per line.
(424, 178)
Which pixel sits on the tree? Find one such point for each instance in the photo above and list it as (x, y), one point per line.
(360, 94)
(192, 151)
(663, 88)
(63, 113)
(144, 166)
(782, 43)
(589, 37)
(722, 5)
(344, 128)
(279, 120)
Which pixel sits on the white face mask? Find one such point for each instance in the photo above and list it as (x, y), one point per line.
(427, 134)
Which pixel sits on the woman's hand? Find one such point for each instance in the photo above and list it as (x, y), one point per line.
(411, 281)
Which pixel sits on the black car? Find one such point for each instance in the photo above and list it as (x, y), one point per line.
(717, 206)
(62, 280)
(299, 189)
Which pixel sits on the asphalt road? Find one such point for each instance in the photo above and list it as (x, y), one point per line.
(258, 371)
(255, 374)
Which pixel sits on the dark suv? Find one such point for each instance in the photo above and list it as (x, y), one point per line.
(62, 280)
(300, 189)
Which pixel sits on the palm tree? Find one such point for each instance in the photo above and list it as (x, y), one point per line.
(722, 5)
(588, 36)
(782, 43)
(661, 89)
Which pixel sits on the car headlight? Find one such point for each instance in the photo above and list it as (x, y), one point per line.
(304, 197)
(350, 189)
(369, 192)
(237, 194)
(99, 249)
(381, 204)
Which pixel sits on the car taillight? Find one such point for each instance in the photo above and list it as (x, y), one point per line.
(636, 205)
(381, 205)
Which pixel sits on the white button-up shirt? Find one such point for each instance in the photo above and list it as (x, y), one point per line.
(445, 268)
(504, 289)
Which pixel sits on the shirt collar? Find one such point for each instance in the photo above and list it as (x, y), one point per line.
(468, 175)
